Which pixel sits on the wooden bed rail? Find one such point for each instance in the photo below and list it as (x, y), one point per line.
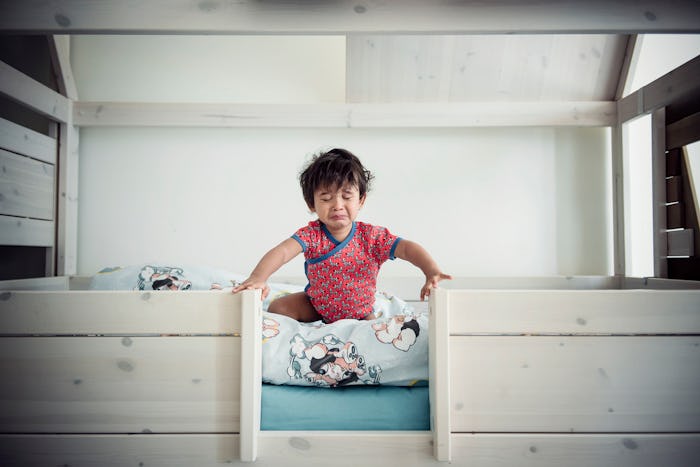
(251, 373)
(439, 374)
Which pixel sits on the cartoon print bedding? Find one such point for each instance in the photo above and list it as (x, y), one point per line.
(390, 350)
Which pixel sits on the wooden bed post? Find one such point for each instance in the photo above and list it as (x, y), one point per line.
(439, 367)
(251, 373)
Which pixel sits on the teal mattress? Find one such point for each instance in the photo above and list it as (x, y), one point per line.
(345, 408)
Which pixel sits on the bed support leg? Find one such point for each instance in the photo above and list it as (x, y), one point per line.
(439, 367)
(251, 373)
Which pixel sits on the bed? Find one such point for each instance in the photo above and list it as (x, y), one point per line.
(522, 371)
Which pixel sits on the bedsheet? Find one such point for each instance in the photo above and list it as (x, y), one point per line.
(346, 408)
(391, 349)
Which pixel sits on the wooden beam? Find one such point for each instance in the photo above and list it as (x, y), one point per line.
(473, 114)
(684, 131)
(59, 46)
(21, 88)
(658, 191)
(348, 16)
(675, 86)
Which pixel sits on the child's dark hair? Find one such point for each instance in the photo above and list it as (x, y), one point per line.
(334, 168)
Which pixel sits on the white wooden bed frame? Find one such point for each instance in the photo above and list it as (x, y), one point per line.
(524, 371)
(536, 372)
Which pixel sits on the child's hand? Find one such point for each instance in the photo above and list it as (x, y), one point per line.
(251, 284)
(431, 282)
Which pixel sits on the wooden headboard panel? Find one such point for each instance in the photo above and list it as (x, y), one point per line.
(27, 188)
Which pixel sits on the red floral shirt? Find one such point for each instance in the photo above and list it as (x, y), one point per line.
(343, 275)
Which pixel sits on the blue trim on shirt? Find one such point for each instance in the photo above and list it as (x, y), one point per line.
(329, 235)
(301, 242)
(392, 252)
(338, 247)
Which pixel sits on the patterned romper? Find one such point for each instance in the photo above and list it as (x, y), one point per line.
(343, 275)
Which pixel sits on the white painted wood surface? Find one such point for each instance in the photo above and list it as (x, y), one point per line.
(26, 187)
(378, 115)
(580, 312)
(574, 384)
(483, 68)
(120, 312)
(251, 374)
(42, 283)
(390, 450)
(439, 356)
(577, 450)
(21, 140)
(346, 16)
(119, 384)
(632, 394)
(67, 190)
(26, 232)
(33, 94)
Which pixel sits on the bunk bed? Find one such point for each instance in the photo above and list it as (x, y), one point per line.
(522, 371)
(575, 371)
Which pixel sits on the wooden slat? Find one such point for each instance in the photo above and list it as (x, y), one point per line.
(439, 368)
(343, 16)
(120, 312)
(473, 114)
(391, 450)
(579, 450)
(251, 375)
(575, 312)
(26, 232)
(681, 243)
(448, 68)
(28, 142)
(38, 283)
(307, 449)
(119, 384)
(26, 187)
(183, 450)
(31, 93)
(575, 384)
(656, 283)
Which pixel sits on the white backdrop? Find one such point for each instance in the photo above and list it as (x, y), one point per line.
(484, 201)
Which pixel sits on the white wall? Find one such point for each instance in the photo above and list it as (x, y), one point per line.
(496, 201)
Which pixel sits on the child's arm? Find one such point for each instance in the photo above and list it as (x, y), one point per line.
(419, 257)
(268, 264)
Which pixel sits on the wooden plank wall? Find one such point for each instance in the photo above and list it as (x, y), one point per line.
(573, 377)
(27, 177)
(87, 374)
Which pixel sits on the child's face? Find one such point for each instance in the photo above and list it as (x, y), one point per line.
(337, 207)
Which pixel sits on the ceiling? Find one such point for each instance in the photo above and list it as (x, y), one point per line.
(484, 68)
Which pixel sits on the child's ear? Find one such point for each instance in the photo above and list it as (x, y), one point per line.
(362, 199)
